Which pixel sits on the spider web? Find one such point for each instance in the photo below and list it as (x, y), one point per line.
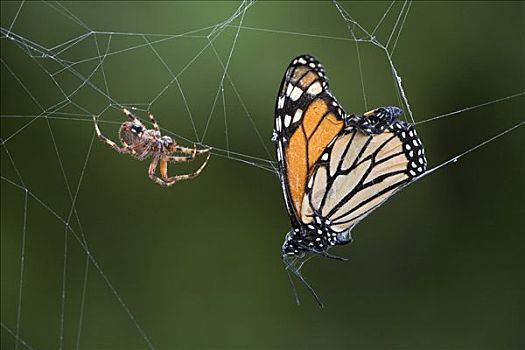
(197, 89)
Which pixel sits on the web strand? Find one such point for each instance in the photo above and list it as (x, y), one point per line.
(470, 150)
(18, 340)
(471, 108)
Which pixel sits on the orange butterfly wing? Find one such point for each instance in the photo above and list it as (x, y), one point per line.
(307, 119)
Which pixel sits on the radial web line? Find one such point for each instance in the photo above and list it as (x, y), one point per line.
(220, 88)
(174, 78)
(395, 25)
(401, 27)
(91, 258)
(245, 108)
(471, 108)
(470, 150)
(18, 340)
(382, 19)
(16, 17)
(22, 249)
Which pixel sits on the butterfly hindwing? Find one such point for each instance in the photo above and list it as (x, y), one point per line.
(362, 171)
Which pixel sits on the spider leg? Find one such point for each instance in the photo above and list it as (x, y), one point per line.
(175, 159)
(163, 171)
(151, 171)
(193, 150)
(130, 115)
(154, 122)
(168, 181)
(126, 149)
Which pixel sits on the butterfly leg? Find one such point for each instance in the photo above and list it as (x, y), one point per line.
(322, 253)
(335, 257)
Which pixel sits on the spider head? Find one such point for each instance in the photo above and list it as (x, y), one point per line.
(137, 129)
(131, 132)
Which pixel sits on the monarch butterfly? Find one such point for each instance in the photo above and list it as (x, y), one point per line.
(335, 168)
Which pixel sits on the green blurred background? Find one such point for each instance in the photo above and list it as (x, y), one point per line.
(440, 266)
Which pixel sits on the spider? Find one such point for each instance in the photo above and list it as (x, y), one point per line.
(142, 143)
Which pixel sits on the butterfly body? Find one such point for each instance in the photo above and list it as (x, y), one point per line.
(335, 168)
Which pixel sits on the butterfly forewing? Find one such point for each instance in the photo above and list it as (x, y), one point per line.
(307, 119)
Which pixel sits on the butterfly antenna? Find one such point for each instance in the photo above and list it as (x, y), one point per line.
(309, 287)
(297, 300)
(289, 263)
(296, 270)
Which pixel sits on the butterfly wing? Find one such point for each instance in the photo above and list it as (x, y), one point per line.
(307, 119)
(360, 172)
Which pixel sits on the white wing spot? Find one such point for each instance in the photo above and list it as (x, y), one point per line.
(289, 89)
(287, 120)
(280, 102)
(315, 89)
(298, 115)
(311, 182)
(296, 93)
